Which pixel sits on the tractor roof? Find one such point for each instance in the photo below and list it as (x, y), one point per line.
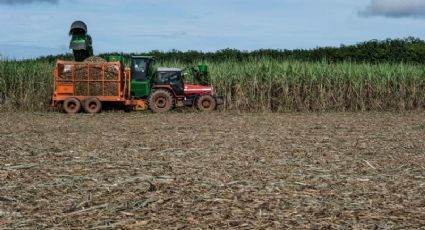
(147, 57)
(166, 69)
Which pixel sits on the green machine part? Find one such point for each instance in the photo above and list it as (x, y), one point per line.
(203, 69)
(116, 58)
(81, 46)
(141, 71)
(81, 42)
(140, 89)
(202, 74)
(197, 75)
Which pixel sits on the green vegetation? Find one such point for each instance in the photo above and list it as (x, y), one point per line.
(259, 84)
(409, 50)
(25, 85)
(265, 84)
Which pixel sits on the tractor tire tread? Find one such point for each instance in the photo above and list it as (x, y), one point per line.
(167, 94)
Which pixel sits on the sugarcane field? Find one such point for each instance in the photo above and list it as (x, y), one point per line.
(108, 122)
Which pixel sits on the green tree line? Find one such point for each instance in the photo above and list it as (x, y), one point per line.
(407, 50)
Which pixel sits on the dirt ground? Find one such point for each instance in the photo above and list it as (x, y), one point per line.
(219, 170)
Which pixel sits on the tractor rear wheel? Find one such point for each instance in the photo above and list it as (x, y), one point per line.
(71, 105)
(206, 103)
(92, 105)
(160, 101)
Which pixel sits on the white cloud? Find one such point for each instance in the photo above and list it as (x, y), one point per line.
(395, 8)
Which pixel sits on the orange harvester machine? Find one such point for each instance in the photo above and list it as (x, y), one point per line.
(106, 81)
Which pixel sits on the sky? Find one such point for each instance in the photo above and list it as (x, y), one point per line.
(30, 28)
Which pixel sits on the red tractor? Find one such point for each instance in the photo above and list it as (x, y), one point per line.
(168, 90)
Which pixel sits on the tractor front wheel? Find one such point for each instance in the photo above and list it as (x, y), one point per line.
(92, 105)
(160, 101)
(71, 105)
(206, 103)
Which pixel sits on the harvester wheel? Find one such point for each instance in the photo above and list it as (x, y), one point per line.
(206, 103)
(92, 105)
(160, 101)
(71, 105)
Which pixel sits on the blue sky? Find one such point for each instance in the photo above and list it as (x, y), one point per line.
(39, 27)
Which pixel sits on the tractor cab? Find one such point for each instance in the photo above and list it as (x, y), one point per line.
(171, 77)
(140, 72)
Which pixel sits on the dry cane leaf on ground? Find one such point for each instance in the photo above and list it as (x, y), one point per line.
(219, 170)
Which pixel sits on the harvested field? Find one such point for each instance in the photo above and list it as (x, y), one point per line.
(222, 170)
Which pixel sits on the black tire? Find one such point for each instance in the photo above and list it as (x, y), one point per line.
(206, 103)
(92, 105)
(59, 107)
(128, 109)
(71, 105)
(161, 101)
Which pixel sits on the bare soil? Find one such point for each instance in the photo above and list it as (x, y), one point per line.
(218, 170)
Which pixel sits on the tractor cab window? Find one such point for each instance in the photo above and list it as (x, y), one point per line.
(139, 69)
(168, 77)
(172, 78)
